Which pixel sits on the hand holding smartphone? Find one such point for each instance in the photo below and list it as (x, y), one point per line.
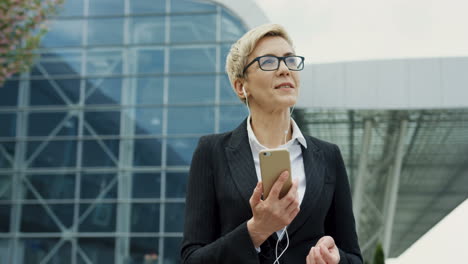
(272, 164)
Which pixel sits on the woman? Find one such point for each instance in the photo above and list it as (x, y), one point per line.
(226, 219)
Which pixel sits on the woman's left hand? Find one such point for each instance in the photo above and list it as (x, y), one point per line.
(324, 252)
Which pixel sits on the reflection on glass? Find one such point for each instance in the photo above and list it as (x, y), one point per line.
(7, 152)
(9, 93)
(180, 150)
(176, 184)
(5, 189)
(195, 60)
(58, 63)
(141, 247)
(50, 186)
(148, 121)
(7, 125)
(227, 93)
(232, 116)
(98, 186)
(61, 153)
(147, 152)
(145, 7)
(35, 249)
(71, 8)
(193, 28)
(97, 250)
(150, 61)
(5, 214)
(172, 249)
(175, 217)
(190, 120)
(64, 33)
(97, 217)
(106, 7)
(146, 185)
(145, 218)
(104, 62)
(191, 6)
(100, 153)
(103, 91)
(34, 218)
(54, 92)
(105, 31)
(231, 27)
(192, 89)
(102, 123)
(43, 124)
(150, 90)
(146, 30)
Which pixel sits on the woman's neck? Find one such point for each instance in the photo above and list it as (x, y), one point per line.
(269, 128)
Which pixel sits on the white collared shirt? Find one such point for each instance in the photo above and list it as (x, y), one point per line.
(295, 154)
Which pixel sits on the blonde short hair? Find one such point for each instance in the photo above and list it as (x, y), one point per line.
(240, 51)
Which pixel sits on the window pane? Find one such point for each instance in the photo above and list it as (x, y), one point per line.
(58, 63)
(191, 6)
(64, 33)
(54, 92)
(146, 185)
(100, 153)
(192, 89)
(52, 186)
(143, 248)
(71, 8)
(7, 152)
(150, 90)
(176, 184)
(5, 214)
(172, 246)
(9, 93)
(147, 152)
(190, 120)
(7, 124)
(175, 217)
(150, 61)
(148, 121)
(103, 91)
(196, 60)
(104, 62)
(98, 217)
(231, 27)
(106, 7)
(144, 6)
(193, 28)
(34, 249)
(105, 31)
(98, 186)
(5, 189)
(180, 150)
(52, 154)
(36, 219)
(44, 124)
(227, 93)
(102, 123)
(232, 116)
(145, 217)
(98, 250)
(145, 30)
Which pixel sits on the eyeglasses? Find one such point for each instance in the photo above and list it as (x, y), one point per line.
(272, 63)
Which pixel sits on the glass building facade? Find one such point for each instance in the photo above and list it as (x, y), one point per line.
(96, 140)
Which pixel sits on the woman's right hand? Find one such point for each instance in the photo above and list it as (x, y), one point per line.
(273, 213)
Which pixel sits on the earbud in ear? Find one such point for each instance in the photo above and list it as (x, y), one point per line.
(245, 93)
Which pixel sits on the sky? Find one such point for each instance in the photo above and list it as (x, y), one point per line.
(350, 30)
(326, 31)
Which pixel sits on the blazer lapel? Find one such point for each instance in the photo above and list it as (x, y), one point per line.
(314, 167)
(241, 163)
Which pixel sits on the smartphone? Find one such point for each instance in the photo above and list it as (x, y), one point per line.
(272, 164)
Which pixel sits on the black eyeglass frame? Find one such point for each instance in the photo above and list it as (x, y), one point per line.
(283, 58)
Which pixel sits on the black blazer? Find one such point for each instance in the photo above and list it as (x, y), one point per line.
(222, 179)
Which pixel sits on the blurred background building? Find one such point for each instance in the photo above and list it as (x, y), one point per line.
(96, 140)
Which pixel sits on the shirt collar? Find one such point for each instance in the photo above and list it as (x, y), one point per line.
(296, 134)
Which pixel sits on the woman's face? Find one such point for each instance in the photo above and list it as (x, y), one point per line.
(271, 90)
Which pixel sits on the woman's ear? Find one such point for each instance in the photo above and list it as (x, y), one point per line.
(239, 88)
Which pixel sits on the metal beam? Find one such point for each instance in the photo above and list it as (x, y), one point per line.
(358, 193)
(394, 184)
